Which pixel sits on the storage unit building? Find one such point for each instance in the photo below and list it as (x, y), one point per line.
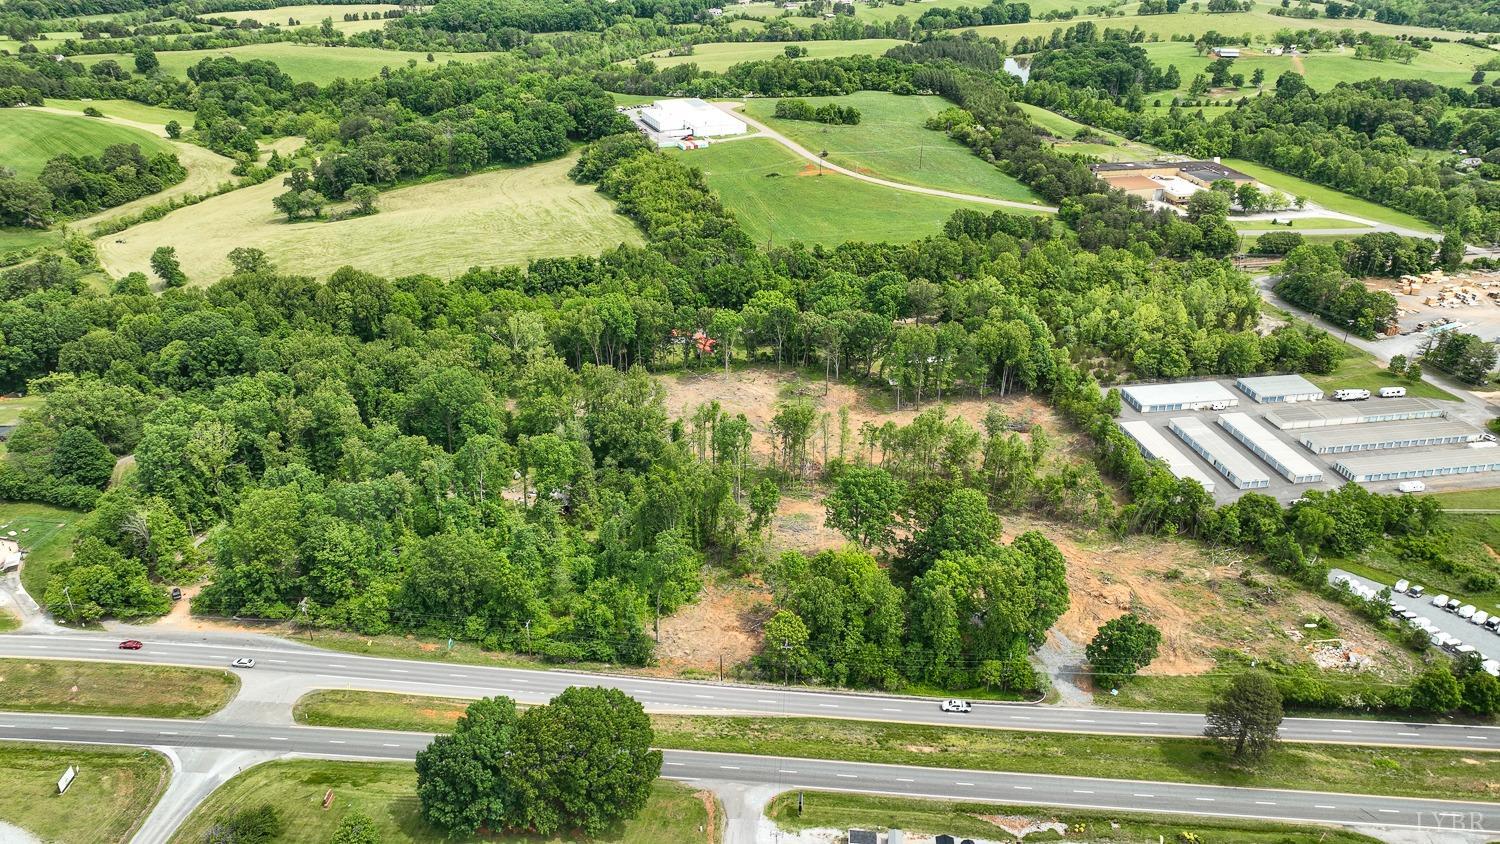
(1154, 446)
(692, 116)
(1368, 468)
(1221, 455)
(1189, 395)
(1322, 414)
(1413, 434)
(1270, 448)
(1276, 389)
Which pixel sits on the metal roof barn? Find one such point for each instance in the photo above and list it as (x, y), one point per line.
(1154, 446)
(1367, 468)
(692, 116)
(1324, 414)
(1188, 395)
(1221, 455)
(1268, 447)
(1274, 389)
(1383, 435)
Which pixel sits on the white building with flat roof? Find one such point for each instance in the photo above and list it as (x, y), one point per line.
(1154, 446)
(1275, 389)
(1187, 395)
(1277, 454)
(690, 116)
(1239, 469)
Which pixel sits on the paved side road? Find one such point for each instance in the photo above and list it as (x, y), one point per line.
(793, 773)
(301, 667)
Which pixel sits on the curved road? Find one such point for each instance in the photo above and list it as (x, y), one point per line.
(874, 180)
(297, 668)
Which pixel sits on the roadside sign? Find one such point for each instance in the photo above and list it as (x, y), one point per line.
(66, 779)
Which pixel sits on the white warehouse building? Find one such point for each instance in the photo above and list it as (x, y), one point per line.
(1275, 389)
(692, 116)
(1189, 395)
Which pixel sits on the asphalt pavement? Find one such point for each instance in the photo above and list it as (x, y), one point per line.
(795, 773)
(297, 668)
(1487, 643)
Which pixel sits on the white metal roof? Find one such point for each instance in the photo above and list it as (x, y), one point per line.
(1278, 385)
(1185, 392)
(1283, 458)
(1318, 414)
(1375, 435)
(1156, 447)
(1385, 462)
(1232, 464)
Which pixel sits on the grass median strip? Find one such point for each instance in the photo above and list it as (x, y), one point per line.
(1313, 767)
(105, 688)
(825, 810)
(114, 790)
(386, 793)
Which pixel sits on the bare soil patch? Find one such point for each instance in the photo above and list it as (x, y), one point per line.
(724, 622)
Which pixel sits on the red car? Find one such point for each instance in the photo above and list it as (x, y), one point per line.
(130, 645)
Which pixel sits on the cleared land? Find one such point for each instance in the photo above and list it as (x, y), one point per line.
(892, 141)
(1333, 200)
(1303, 766)
(111, 796)
(442, 227)
(30, 137)
(128, 110)
(45, 533)
(779, 197)
(105, 688)
(827, 810)
(721, 57)
(1115, 148)
(303, 62)
(386, 793)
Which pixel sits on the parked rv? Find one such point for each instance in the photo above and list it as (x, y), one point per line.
(1392, 392)
(1410, 486)
(1441, 601)
(1401, 586)
(1416, 591)
(1479, 617)
(1466, 611)
(1350, 395)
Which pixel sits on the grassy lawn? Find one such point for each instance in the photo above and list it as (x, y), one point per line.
(45, 534)
(386, 792)
(1329, 198)
(778, 197)
(821, 809)
(720, 57)
(31, 137)
(23, 240)
(113, 792)
(107, 688)
(1445, 64)
(129, 110)
(313, 15)
(892, 141)
(1360, 370)
(1064, 128)
(1471, 499)
(443, 227)
(1298, 224)
(1471, 540)
(303, 62)
(1304, 766)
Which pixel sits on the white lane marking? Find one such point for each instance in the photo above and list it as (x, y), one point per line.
(1204, 799)
(766, 701)
(784, 771)
(678, 764)
(1019, 718)
(277, 738)
(399, 671)
(729, 767)
(1021, 787)
(113, 730)
(1323, 806)
(225, 735)
(829, 705)
(1390, 811)
(1481, 738)
(1143, 795)
(848, 776)
(166, 733)
(336, 741)
(1412, 735)
(390, 745)
(705, 697)
(7, 726)
(1340, 731)
(1083, 720)
(1081, 791)
(1148, 724)
(1264, 803)
(964, 783)
(904, 779)
(59, 728)
(886, 709)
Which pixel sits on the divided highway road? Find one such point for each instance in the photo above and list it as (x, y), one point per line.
(316, 668)
(792, 773)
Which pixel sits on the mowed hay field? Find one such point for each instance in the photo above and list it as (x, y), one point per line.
(313, 15)
(443, 228)
(892, 141)
(28, 138)
(721, 57)
(779, 197)
(302, 62)
(1444, 64)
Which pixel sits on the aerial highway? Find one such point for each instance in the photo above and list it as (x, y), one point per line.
(306, 668)
(794, 773)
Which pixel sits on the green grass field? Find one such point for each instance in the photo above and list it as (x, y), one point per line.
(720, 57)
(1470, 499)
(891, 141)
(1329, 198)
(1253, 23)
(442, 227)
(313, 15)
(45, 534)
(1468, 539)
(1445, 64)
(1305, 766)
(822, 810)
(1361, 371)
(106, 688)
(31, 137)
(129, 110)
(303, 62)
(1297, 225)
(24, 240)
(113, 792)
(1119, 148)
(778, 197)
(386, 793)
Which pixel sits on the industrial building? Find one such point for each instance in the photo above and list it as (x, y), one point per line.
(1367, 468)
(1189, 395)
(1166, 181)
(1268, 447)
(692, 117)
(1277, 389)
(1323, 414)
(1221, 455)
(1423, 432)
(1154, 446)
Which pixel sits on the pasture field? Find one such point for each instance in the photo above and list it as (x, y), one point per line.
(892, 141)
(112, 794)
(386, 793)
(30, 137)
(303, 62)
(23, 240)
(1333, 200)
(779, 197)
(312, 15)
(721, 57)
(1299, 224)
(45, 534)
(1255, 23)
(1120, 148)
(440, 227)
(1444, 64)
(128, 110)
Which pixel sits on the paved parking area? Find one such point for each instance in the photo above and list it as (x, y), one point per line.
(1486, 642)
(1281, 489)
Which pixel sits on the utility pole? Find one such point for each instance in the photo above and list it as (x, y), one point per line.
(69, 596)
(786, 663)
(721, 668)
(302, 611)
(528, 637)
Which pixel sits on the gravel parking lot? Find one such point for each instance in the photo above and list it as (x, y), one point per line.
(1280, 488)
(1486, 642)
